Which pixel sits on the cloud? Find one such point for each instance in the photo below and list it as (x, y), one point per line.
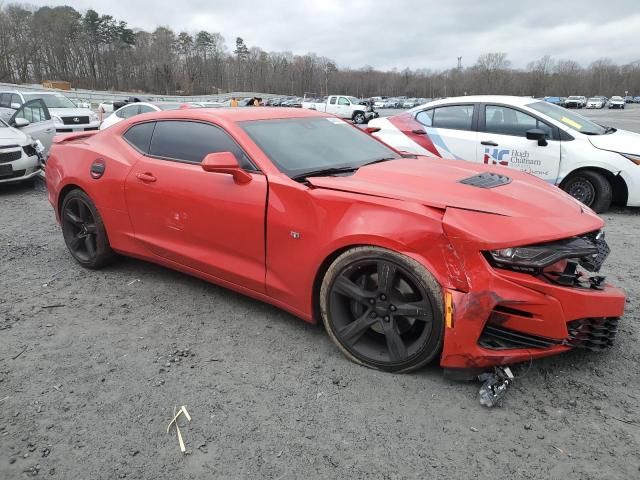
(427, 34)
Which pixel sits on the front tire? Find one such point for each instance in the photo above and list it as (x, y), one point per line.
(359, 118)
(84, 232)
(591, 188)
(382, 309)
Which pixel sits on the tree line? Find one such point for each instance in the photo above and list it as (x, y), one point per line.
(100, 52)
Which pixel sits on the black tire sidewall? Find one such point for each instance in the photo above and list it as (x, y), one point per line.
(602, 188)
(421, 275)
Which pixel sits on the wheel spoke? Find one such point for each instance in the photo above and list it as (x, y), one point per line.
(386, 276)
(72, 217)
(420, 310)
(75, 242)
(88, 243)
(354, 331)
(90, 227)
(395, 345)
(83, 211)
(346, 287)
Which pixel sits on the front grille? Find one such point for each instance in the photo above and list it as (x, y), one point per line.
(14, 174)
(500, 338)
(6, 157)
(75, 120)
(592, 333)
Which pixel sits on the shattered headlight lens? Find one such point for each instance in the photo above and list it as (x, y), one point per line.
(590, 250)
(634, 158)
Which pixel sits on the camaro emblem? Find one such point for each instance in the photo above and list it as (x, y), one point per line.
(76, 119)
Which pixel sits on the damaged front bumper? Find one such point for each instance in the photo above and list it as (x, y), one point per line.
(513, 313)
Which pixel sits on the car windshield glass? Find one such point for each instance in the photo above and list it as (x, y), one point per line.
(51, 101)
(354, 100)
(594, 99)
(574, 98)
(616, 98)
(568, 118)
(299, 145)
(169, 106)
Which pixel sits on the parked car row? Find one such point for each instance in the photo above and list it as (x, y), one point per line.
(600, 101)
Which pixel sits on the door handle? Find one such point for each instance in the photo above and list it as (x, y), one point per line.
(146, 177)
(419, 131)
(489, 143)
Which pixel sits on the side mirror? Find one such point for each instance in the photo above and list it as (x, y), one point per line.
(15, 105)
(225, 162)
(20, 122)
(539, 135)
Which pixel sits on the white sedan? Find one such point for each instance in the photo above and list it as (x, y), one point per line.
(595, 164)
(133, 109)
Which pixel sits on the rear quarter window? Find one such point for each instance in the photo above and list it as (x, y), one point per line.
(139, 136)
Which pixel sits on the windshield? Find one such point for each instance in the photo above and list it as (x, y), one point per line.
(57, 100)
(616, 98)
(568, 118)
(354, 100)
(594, 99)
(299, 145)
(573, 97)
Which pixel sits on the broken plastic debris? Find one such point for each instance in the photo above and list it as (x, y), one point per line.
(495, 386)
(182, 411)
(133, 281)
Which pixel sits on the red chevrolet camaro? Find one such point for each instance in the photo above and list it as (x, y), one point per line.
(404, 260)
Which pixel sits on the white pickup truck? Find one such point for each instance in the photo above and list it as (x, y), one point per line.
(344, 106)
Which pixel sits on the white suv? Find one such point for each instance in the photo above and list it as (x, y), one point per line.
(67, 117)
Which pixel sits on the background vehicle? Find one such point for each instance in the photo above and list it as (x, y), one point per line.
(344, 107)
(636, 99)
(616, 102)
(237, 196)
(598, 165)
(22, 154)
(67, 117)
(575, 101)
(628, 99)
(133, 109)
(596, 102)
(554, 100)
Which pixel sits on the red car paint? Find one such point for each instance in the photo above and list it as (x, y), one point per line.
(272, 238)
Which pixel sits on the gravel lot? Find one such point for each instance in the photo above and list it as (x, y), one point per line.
(93, 363)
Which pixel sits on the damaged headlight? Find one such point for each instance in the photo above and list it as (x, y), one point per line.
(589, 250)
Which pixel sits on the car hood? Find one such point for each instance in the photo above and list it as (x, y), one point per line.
(11, 136)
(436, 183)
(621, 141)
(526, 210)
(70, 112)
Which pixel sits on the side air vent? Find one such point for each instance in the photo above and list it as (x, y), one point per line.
(487, 180)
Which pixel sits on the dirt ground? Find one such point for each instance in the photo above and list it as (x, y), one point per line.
(93, 363)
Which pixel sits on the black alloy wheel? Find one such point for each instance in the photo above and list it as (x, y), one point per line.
(382, 309)
(83, 231)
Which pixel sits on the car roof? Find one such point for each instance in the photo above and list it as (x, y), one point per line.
(508, 99)
(243, 114)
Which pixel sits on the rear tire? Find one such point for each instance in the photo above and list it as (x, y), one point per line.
(359, 118)
(84, 232)
(382, 309)
(591, 188)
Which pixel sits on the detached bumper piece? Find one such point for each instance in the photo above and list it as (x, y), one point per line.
(595, 334)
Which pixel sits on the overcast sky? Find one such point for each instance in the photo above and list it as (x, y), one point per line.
(400, 33)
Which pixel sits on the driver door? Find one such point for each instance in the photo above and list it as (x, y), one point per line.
(201, 220)
(40, 125)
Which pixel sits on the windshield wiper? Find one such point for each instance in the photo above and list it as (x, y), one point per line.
(323, 172)
(610, 130)
(379, 160)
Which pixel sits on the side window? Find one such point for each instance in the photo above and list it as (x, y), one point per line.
(192, 141)
(332, 100)
(15, 99)
(457, 117)
(508, 121)
(128, 112)
(425, 118)
(145, 109)
(5, 100)
(139, 136)
(343, 101)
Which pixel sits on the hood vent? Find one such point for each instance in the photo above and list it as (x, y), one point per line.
(487, 180)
